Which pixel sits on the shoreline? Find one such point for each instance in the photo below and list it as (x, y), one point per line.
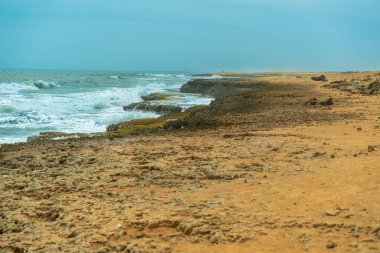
(203, 77)
(271, 165)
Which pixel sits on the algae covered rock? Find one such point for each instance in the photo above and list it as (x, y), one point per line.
(156, 96)
(157, 108)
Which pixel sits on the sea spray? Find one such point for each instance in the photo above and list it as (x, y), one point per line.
(35, 101)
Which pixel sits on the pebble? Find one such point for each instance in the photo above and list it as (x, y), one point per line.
(331, 245)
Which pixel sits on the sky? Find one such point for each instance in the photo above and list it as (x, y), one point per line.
(190, 35)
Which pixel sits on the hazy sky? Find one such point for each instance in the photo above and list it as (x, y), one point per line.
(190, 35)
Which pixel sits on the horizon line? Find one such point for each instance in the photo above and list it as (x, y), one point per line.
(192, 71)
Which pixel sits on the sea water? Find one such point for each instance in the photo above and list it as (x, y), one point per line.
(79, 102)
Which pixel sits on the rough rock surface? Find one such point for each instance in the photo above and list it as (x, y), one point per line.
(271, 175)
(321, 78)
(156, 96)
(315, 101)
(219, 86)
(364, 86)
(157, 108)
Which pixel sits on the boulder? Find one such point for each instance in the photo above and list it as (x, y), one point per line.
(320, 78)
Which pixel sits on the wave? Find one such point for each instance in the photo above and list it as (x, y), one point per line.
(100, 106)
(92, 105)
(168, 76)
(11, 88)
(45, 85)
(14, 87)
(214, 77)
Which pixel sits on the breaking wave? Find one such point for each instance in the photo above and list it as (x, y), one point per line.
(88, 105)
(14, 87)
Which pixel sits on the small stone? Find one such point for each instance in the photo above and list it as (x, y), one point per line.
(141, 235)
(332, 212)
(354, 245)
(328, 101)
(200, 230)
(74, 233)
(317, 154)
(92, 160)
(62, 160)
(194, 239)
(216, 238)
(331, 245)
(371, 148)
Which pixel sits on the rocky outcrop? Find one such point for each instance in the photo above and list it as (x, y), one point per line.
(216, 87)
(374, 88)
(157, 108)
(156, 96)
(356, 86)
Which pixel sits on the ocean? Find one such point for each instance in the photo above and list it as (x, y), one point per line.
(79, 102)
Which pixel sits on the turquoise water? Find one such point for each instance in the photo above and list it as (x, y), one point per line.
(39, 101)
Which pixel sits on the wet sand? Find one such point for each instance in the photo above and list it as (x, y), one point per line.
(262, 169)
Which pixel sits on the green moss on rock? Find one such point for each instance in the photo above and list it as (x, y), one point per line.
(157, 96)
(149, 124)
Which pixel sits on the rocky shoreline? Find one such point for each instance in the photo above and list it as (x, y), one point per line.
(275, 163)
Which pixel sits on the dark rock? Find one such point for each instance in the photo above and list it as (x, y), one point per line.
(174, 124)
(317, 154)
(62, 160)
(156, 96)
(338, 83)
(374, 88)
(321, 78)
(92, 160)
(52, 214)
(331, 245)
(326, 102)
(74, 234)
(158, 108)
(219, 86)
(376, 231)
(12, 249)
(112, 128)
(355, 86)
(371, 148)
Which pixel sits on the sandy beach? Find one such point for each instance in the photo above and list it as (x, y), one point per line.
(276, 163)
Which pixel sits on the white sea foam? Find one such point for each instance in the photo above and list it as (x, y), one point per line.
(214, 77)
(15, 87)
(30, 107)
(11, 88)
